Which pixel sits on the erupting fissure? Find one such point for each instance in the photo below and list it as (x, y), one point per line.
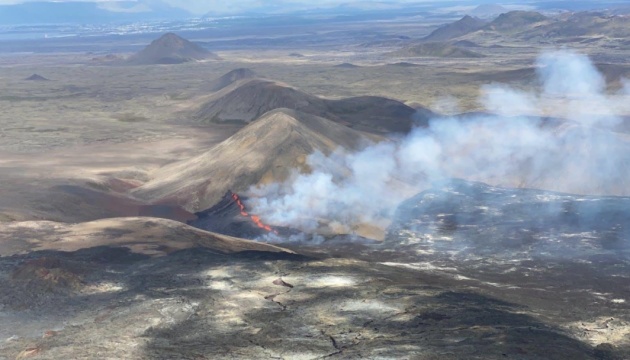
(254, 218)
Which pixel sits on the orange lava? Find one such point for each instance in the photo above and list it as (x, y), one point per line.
(254, 218)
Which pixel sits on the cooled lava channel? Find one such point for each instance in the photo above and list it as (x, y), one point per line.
(230, 217)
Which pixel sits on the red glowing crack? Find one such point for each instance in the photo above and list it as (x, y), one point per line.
(255, 219)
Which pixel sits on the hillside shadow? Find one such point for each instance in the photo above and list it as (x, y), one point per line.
(40, 279)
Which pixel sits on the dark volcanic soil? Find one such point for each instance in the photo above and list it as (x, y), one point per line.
(195, 304)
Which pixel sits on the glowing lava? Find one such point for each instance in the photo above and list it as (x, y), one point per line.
(240, 204)
(255, 219)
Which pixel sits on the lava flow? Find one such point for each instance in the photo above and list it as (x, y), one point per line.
(255, 219)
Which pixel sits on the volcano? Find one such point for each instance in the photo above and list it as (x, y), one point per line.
(243, 102)
(265, 151)
(230, 216)
(170, 49)
(36, 77)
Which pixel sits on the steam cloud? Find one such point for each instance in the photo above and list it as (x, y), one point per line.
(576, 150)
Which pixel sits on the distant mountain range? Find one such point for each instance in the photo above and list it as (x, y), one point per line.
(580, 27)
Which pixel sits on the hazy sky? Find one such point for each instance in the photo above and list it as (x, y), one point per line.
(221, 6)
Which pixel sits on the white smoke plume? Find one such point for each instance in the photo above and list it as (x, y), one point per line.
(574, 149)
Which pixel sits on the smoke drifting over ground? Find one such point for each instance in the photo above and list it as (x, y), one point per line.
(577, 151)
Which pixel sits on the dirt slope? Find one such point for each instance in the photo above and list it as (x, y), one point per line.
(141, 235)
(265, 151)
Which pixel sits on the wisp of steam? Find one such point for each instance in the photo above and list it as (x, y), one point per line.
(565, 136)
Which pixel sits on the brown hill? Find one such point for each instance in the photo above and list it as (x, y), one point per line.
(461, 27)
(265, 151)
(581, 27)
(230, 78)
(436, 49)
(584, 27)
(245, 101)
(597, 28)
(170, 49)
(36, 77)
(515, 20)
